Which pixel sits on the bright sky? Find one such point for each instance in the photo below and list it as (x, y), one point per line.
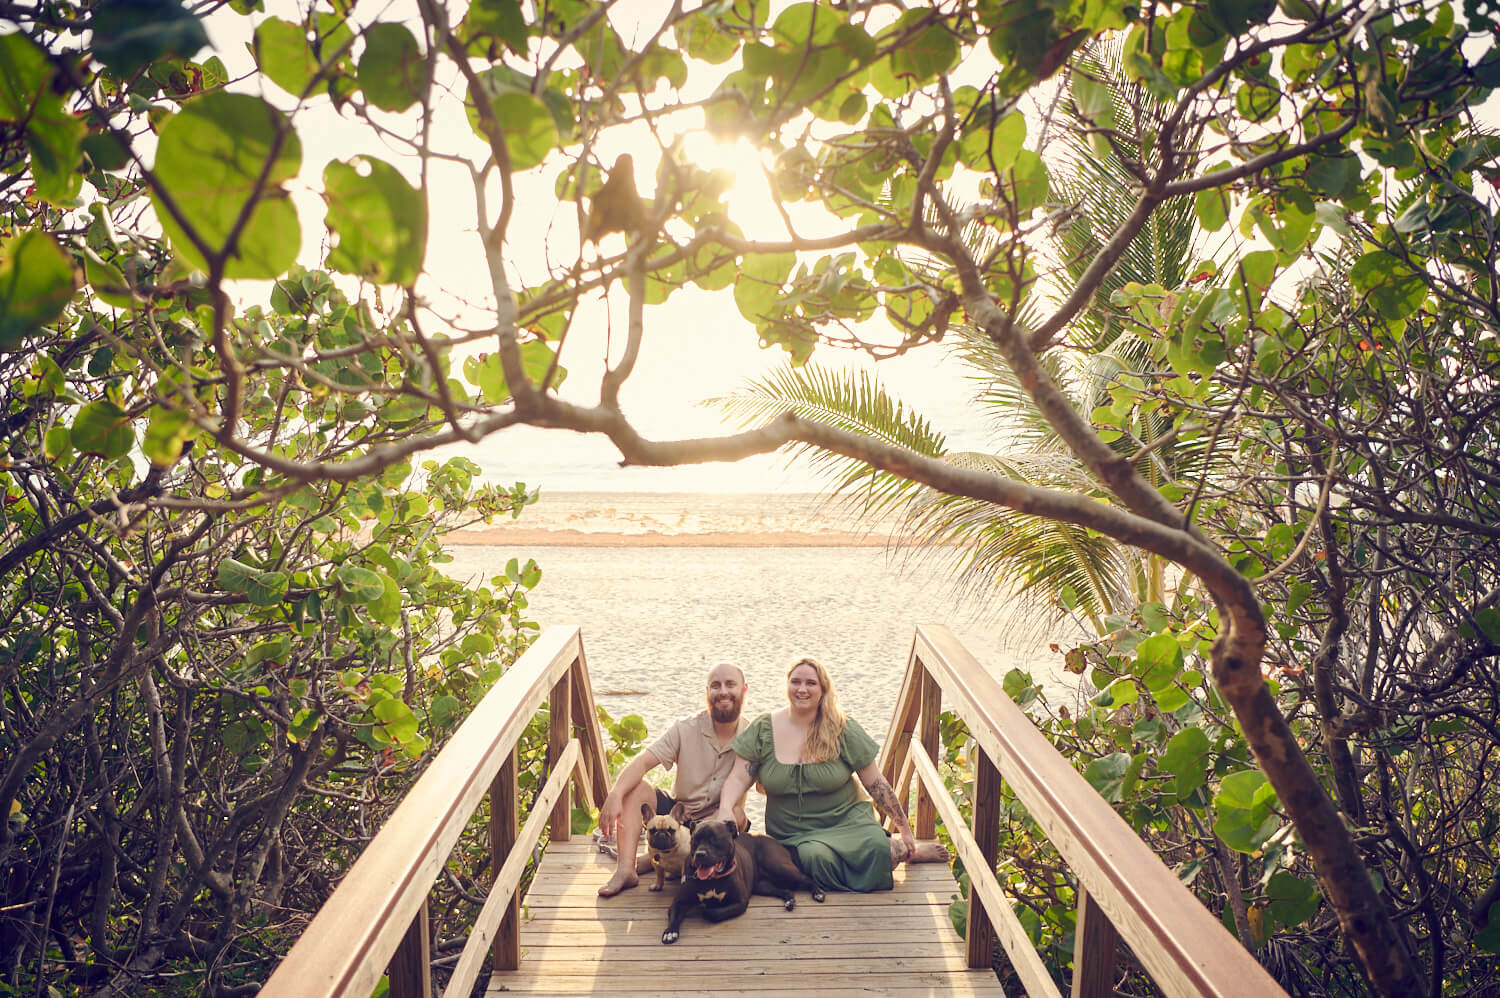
(696, 345)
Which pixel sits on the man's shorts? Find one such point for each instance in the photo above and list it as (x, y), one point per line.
(665, 803)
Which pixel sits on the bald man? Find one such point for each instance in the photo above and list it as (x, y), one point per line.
(699, 747)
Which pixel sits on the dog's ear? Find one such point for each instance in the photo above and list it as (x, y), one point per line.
(679, 814)
(734, 828)
(647, 813)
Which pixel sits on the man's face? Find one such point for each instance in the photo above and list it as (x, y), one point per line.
(726, 693)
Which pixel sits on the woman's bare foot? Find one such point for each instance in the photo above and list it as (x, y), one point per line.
(619, 882)
(929, 852)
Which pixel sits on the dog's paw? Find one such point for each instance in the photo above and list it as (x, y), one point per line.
(669, 936)
(818, 895)
(789, 903)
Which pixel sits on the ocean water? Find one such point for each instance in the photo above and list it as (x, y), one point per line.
(655, 619)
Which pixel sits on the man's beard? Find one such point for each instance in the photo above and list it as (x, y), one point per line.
(724, 713)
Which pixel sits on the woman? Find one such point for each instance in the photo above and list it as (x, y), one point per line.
(804, 757)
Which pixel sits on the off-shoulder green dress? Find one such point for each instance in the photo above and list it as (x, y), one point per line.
(815, 808)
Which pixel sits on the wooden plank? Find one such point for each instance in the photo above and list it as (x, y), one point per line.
(1186, 950)
(343, 952)
(559, 731)
(725, 980)
(575, 942)
(903, 720)
(589, 734)
(979, 937)
(501, 905)
(506, 950)
(727, 986)
(1094, 943)
(410, 969)
(1023, 957)
(931, 697)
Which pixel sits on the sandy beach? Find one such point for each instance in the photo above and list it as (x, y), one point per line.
(665, 585)
(676, 519)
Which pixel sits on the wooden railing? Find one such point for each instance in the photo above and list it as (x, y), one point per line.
(1124, 890)
(377, 920)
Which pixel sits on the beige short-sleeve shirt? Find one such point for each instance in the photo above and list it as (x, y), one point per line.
(702, 763)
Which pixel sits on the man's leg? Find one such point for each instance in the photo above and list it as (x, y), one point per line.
(627, 839)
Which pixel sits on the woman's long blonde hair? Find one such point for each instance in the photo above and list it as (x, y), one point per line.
(823, 737)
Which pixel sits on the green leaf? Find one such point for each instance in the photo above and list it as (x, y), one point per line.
(497, 19)
(128, 34)
(1211, 208)
(1242, 790)
(992, 148)
(260, 588)
(926, 55)
(1488, 938)
(379, 221)
(57, 445)
(1259, 268)
(29, 93)
(37, 281)
(283, 53)
(392, 72)
(700, 36)
(1390, 288)
(1028, 182)
(1170, 699)
(210, 159)
(1186, 758)
(1488, 621)
(1158, 660)
(108, 283)
(1293, 899)
(167, 433)
(530, 130)
(354, 584)
(757, 289)
(101, 428)
(444, 709)
(1242, 832)
(400, 723)
(1107, 775)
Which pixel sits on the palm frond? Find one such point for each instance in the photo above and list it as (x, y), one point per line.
(854, 401)
(998, 551)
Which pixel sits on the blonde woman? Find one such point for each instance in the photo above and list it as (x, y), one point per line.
(804, 757)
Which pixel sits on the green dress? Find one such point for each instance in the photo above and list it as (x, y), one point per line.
(815, 808)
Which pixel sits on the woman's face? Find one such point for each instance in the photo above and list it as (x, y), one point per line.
(803, 689)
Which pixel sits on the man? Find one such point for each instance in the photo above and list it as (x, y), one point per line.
(699, 747)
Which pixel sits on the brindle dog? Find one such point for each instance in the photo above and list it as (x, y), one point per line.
(725, 868)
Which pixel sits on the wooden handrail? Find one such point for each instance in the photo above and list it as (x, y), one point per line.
(1186, 950)
(358, 932)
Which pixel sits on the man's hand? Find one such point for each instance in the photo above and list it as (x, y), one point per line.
(609, 815)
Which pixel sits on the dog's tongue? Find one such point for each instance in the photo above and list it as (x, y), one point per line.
(707, 872)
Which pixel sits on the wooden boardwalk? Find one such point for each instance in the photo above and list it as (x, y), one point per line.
(899, 942)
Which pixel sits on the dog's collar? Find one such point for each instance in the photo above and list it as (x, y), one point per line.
(733, 865)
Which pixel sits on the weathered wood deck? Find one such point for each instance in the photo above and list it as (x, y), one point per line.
(899, 942)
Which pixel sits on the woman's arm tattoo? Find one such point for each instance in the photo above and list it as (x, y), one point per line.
(885, 799)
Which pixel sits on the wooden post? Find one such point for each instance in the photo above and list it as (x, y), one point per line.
(560, 729)
(1094, 942)
(979, 938)
(504, 825)
(410, 967)
(927, 733)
